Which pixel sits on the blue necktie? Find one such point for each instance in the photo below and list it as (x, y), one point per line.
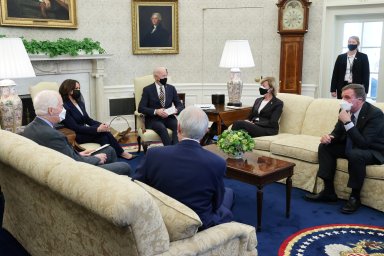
(349, 142)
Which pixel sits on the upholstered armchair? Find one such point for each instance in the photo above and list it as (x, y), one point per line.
(35, 89)
(144, 136)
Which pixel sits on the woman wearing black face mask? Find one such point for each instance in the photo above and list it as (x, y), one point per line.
(264, 117)
(87, 130)
(350, 67)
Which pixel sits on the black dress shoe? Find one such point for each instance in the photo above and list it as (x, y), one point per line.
(351, 206)
(321, 197)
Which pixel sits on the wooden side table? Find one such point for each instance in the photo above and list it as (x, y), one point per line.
(227, 116)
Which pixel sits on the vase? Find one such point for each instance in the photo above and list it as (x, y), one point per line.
(236, 155)
(11, 108)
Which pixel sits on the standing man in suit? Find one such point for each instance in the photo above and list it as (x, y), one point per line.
(189, 173)
(359, 137)
(350, 67)
(156, 98)
(49, 110)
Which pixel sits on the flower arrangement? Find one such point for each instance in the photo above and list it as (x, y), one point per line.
(235, 143)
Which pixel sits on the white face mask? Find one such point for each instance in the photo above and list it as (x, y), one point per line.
(345, 105)
(62, 114)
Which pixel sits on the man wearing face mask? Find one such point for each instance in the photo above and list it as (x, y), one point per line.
(156, 98)
(49, 111)
(359, 137)
(350, 67)
(264, 117)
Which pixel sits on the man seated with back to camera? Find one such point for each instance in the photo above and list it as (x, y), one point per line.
(49, 111)
(156, 98)
(189, 173)
(358, 136)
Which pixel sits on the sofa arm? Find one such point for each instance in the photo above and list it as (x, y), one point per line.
(140, 121)
(232, 238)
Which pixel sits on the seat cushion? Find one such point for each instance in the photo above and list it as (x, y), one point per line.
(181, 221)
(264, 142)
(302, 147)
(373, 171)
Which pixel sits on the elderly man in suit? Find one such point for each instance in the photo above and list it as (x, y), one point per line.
(49, 110)
(189, 173)
(359, 137)
(156, 99)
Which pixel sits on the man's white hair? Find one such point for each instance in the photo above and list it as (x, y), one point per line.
(193, 123)
(158, 15)
(44, 100)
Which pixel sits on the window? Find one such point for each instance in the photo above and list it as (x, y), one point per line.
(370, 33)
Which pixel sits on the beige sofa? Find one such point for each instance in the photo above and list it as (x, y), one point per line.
(303, 122)
(57, 206)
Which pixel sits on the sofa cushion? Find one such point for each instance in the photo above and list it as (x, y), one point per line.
(295, 107)
(264, 142)
(302, 147)
(373, 171)
(181, 221)
(321, 117)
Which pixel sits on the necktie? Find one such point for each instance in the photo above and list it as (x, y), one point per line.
(349, 142)
(161, 96)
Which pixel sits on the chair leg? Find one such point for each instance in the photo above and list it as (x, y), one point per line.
(139, 144)
(145, 146)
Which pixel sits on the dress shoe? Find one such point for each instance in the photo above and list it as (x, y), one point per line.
(321, 197)
(351, 206)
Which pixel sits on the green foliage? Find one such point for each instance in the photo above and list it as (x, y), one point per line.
(63, 46)
(232, 142)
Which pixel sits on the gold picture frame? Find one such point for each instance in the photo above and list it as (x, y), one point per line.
(155, 27)
(39, 13)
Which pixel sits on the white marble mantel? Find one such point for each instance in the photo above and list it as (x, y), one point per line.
(89, 70)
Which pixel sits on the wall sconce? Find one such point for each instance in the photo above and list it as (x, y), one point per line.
(236, 54)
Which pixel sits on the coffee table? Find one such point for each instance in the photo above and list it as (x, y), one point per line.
(258, 171)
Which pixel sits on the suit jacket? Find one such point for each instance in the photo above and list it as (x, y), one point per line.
(188, 173)
(159, 38)
(150, 101)
(360, 71)
(269, 116)
(44, 135)
(368, 133)
(80, 123)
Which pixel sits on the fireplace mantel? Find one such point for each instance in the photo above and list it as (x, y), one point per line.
(89, 70)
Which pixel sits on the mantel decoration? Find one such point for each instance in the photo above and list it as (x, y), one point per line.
(235, 143)
(63, 46)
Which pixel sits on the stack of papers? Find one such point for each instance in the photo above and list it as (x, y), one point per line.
(205, 106)
(171, 110)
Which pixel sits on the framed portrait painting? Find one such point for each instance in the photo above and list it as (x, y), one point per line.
(155, 27)
(39, 13)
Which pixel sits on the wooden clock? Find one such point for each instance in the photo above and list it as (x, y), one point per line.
(293, 24)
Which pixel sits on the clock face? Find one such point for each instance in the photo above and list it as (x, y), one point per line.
(293, 16)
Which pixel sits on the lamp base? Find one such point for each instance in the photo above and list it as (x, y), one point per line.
(234, 104)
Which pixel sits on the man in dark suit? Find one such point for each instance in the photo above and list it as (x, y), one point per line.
(189, 173)
(350, 67)
(359, 137)
(156, 99)
(49, 110)
(157, 36)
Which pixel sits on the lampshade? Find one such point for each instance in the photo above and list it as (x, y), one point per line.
(236, 54)
(14, 60)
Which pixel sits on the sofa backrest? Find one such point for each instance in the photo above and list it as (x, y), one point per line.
(380, 105)
(321, 117)
(295, 107)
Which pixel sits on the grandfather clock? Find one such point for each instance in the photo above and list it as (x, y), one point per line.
(293, 24)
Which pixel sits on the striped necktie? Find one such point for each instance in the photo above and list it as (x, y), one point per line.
(349, 142)
(161, 96)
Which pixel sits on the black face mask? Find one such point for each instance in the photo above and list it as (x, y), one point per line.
(263, 91)
(163, 81)
(76, 94)
(352, 47)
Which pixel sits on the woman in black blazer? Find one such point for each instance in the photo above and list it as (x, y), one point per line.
(264, 117)
(350, 67)
(77, 119)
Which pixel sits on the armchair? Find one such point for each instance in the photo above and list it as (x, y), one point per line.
(144, 136)
(35, 89)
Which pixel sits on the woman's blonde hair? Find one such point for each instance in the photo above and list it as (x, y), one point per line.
(271, 82)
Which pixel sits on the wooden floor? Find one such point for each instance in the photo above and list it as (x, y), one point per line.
(131, 138)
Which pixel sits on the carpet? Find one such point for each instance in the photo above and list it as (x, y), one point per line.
(335, 240)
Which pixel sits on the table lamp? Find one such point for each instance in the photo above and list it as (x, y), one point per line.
(14, 63)
(236, 54)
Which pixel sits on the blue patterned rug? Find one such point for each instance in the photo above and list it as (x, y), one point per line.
(335, 240)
